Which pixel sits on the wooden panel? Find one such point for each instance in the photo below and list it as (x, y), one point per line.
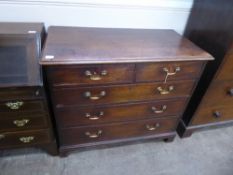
(22, 121)
(92, 115)
(11, 139)
(174, 70)
(120, 94)
(205, 115)
(20, 105)
(91, 74)
(83, 135)
(73, 45)
(21, 93)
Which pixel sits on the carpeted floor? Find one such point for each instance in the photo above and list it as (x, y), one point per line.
(205, 153)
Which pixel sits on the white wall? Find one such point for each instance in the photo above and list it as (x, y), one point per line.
(171, 14)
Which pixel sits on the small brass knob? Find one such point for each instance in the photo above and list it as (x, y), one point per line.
(165, 91)
(217, 114)
(2, 136)
(94, 75)
(94, 97)
(94, 117)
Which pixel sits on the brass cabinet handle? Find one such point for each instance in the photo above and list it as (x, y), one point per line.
(27, 139)
(169, 73)
(2, 136)
(95, 76)
(152, 127)
(165, 91)
(21, 123)
(14, 105)
(217, 114)
(94, 135)
(155, 110)
(94, 97)
(94, 117)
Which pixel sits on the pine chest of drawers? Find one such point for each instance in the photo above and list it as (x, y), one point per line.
(24, 110)
(118, 85)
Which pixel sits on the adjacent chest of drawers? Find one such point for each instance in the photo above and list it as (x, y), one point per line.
(24, 113)
(211, 106)
(215, 108)
(118, 85)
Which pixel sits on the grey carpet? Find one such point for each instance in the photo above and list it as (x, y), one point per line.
(205, 153)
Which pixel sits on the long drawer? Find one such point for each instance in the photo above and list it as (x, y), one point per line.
(23, 93)
(23, 121)
(21, 105)
(121, 93)
(213, 114)
(91, 74)
(12, 139)
(109, 132)
(92, 115)
(171, 70)
(220, 93)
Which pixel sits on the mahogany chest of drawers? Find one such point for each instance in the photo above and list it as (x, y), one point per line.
(24, 112)
(118, 85)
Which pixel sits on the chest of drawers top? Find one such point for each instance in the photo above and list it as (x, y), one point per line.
(74, 45)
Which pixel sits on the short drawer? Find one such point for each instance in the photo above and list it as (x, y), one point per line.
(25, 93)
(109, 132)
(220, 93)
(27, 138)
(90, 74)
(172, 70)
(23, 121)
(121, 93)
(92, 115)
(21, 105)
(207, 115)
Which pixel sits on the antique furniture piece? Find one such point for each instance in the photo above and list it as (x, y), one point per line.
(24, 114)
(118, 85)
(211, 27)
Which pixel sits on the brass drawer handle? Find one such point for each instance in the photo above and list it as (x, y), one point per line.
(94, 135)
(152, 127)
(94, 97)
(95, 76)
(170, 72)
(165, 91)
(155, 110)
(217, 114)
(94, 117)
(21, 123)
(14, 105)
(27, 139)
(2, 136)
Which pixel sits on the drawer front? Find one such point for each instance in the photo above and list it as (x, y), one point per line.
(93, 115)
(120, 94)
(84, 135)
(226, 69)
(91, 74)
(11, 139)
(21, 105)
(22, 121)
(220, 93)
(21, 93)
(206, 115)
(172, 70)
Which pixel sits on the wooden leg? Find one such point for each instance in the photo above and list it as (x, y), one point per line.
(63, 154)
